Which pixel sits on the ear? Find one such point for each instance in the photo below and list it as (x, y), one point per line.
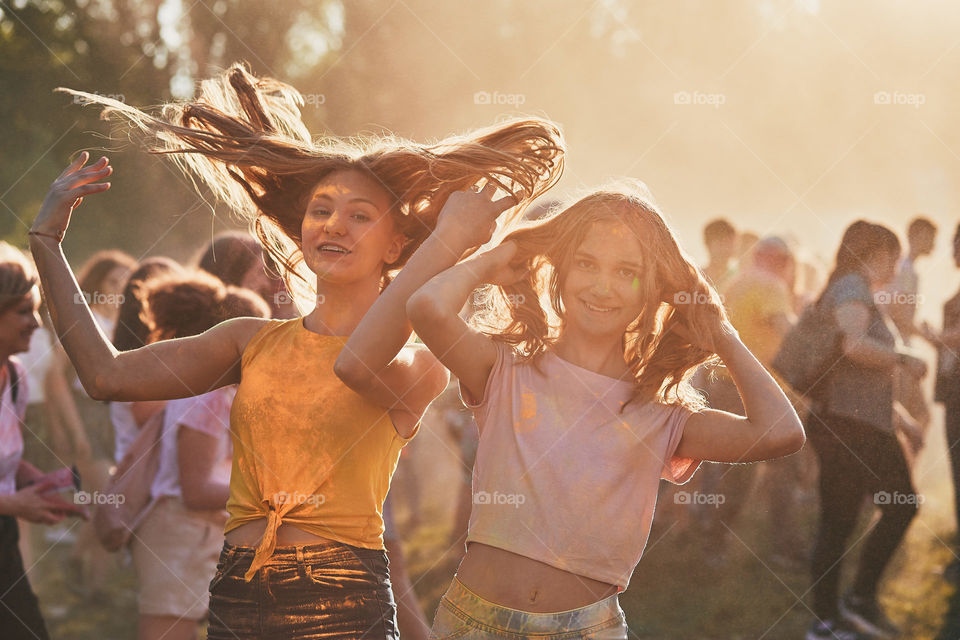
(397, 243)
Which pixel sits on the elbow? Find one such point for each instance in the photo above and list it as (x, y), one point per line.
(351, 371)
(791, 438)
(422, 308)
(100, 388)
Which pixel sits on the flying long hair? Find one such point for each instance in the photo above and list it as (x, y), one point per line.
(244, 138)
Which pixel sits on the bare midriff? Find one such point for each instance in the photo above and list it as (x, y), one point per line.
(517, 582)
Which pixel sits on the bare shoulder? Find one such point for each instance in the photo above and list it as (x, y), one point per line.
(241, 330)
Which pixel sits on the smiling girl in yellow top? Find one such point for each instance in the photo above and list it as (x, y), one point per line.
(312, 457)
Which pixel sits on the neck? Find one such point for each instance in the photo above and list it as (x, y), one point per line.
(340, 307)
(914, 254)
(601, 355)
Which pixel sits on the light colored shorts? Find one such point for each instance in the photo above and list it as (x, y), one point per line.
(175, 552)
(464, 614)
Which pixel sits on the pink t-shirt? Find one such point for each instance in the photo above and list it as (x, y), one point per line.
(561, 475)
(208, 413)
(11, 437)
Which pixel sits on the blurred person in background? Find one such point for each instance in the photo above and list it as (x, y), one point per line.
(24, 494)
(131, 333)
(177, 544)
(238, 259)
(852, 429)
(87, 421)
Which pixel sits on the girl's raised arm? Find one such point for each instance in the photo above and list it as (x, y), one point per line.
(434, 311)
(163, 370)
(771, 427)
(369, 362)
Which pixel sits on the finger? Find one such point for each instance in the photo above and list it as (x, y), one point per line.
(76, 164)
(96, 166)
(43, 486)
(96, 187)
(84, 177)
(504, 203)
(489, 189)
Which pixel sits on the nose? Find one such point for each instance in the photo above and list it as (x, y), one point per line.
(334, 224)
(601, 286)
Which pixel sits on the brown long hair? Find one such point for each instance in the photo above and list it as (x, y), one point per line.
(674, 290)
(243, 138)
(860, 242)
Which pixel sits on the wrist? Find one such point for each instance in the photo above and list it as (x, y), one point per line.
(49, 236)
(449, 241)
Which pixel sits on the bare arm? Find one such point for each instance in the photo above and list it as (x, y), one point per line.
(196, 455)
(372, 363)
(770, 429)
(164, 370)
(853, 320)
(434, 310)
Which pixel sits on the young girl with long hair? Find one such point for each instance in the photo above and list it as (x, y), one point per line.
(579, 381)
(312, 458)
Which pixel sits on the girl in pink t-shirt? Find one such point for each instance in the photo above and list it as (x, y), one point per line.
(594, 323)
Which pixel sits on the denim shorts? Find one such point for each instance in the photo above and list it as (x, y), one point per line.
(464, 614)
(330, 590)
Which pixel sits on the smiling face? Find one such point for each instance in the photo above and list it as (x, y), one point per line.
(17, 324)
(601, 288)
(348, 232)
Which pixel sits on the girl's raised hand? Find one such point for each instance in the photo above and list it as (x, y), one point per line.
(67, 192)
(495, 268)
(469, 218)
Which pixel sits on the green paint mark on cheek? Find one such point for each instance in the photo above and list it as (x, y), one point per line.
(636, 283)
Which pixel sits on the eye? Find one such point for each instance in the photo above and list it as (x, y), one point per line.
(628, 273)
(359, 216)
(319, 211)
(584, 264)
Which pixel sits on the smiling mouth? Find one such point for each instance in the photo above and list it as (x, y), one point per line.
(333, 249)
(595, 308)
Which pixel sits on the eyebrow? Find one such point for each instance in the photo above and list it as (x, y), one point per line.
(626, 263)
(324, 196)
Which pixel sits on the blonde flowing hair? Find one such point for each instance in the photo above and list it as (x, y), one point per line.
(244, 139)
(529, 315)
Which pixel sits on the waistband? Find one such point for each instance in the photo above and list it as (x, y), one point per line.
(464, 602)
(329, 551)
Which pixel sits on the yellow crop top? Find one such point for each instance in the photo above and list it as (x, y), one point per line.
(307, 450)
